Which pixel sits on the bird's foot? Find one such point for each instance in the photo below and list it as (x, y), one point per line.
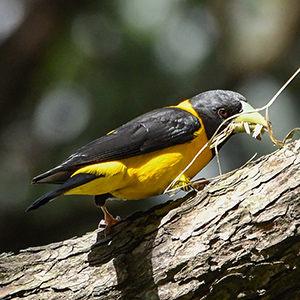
(108, 220)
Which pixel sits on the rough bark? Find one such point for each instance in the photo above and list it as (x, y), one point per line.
(239, 238)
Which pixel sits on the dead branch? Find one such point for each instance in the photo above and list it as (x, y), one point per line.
(238, 238)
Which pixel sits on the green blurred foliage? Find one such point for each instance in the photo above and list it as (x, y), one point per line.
(72, 70)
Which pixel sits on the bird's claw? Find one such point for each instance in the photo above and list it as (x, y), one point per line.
(108, 220)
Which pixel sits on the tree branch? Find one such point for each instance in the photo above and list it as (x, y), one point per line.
(238, 238)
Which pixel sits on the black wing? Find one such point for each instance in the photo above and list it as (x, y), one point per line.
(158, 129)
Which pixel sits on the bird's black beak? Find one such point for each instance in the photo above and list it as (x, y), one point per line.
(250, 122)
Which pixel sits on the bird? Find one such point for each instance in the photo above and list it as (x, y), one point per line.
(144, 156)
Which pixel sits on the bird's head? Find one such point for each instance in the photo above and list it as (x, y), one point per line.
(214, 107)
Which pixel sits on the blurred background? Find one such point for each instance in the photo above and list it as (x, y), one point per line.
(70, 71)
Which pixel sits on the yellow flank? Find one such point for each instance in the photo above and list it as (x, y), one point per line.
(147, 174)
(105, 169)
(110, 176)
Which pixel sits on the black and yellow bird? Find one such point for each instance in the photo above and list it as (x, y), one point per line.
(142, 157)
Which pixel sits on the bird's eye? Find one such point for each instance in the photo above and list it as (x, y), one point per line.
(223, 112)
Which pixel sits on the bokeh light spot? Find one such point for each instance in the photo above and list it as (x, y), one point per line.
(11, 14)
(61, 115)
(183, 43)
(146, 16)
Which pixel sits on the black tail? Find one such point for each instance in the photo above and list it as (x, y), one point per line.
(71, 183)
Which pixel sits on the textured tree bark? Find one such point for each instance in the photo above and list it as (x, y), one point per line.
(239, 238)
